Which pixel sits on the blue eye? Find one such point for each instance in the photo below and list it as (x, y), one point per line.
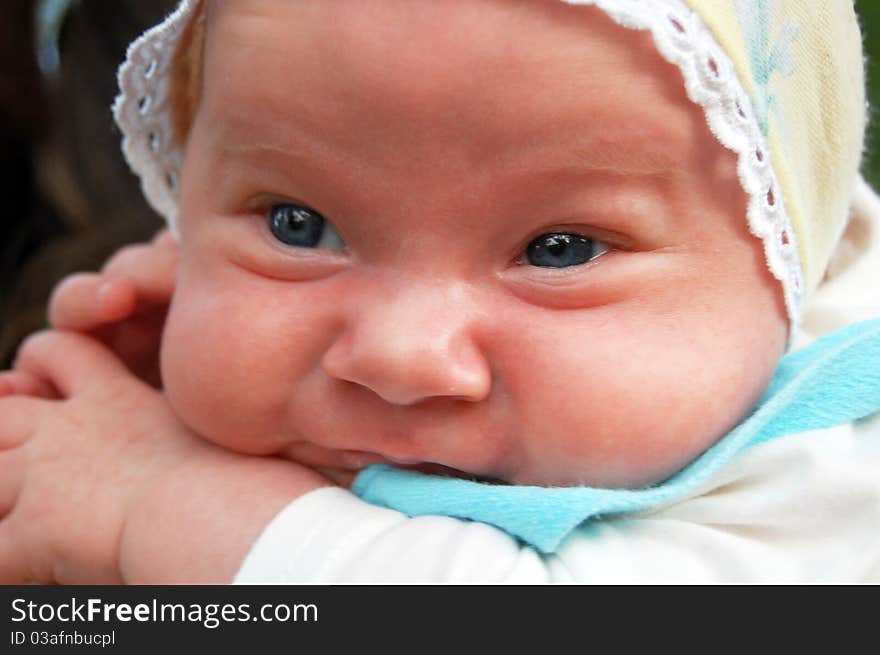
(556, 250)
(295, 225)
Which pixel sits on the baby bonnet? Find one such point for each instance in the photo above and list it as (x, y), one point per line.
(781, 83)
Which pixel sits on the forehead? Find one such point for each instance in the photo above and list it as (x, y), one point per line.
(485, 72)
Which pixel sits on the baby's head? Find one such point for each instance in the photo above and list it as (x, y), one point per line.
(491, 236)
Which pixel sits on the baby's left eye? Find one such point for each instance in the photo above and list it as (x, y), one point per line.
(561, 250)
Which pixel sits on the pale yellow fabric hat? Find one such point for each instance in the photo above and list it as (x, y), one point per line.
(781, 83)
(801, 64)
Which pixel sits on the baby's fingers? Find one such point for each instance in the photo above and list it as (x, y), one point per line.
(86, 301)
(18, 421)
(137, 279)
(22, 383)
(12, 471)
(70, 362)
(19, 417)
(151, 268)
(20, 562)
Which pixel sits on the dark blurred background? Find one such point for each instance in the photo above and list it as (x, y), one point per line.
(67, 199)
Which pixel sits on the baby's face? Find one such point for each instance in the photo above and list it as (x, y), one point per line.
(486, 235)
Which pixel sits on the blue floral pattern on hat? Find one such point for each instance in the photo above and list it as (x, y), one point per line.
(755, 17)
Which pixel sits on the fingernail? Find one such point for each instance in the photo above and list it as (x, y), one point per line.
(105, 289)
(108, 297)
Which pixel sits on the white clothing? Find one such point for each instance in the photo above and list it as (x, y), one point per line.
(803, 508)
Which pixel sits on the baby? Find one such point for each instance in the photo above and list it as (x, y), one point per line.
(544, 243)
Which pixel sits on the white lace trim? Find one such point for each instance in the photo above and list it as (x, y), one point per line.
(143, 114)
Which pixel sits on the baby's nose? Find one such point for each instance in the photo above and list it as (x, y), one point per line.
(411, 347)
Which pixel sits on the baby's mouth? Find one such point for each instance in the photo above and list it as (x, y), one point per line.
(432, 468)
(356, 460)
(343, 465)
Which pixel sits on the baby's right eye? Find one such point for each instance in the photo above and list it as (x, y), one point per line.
(296, 225)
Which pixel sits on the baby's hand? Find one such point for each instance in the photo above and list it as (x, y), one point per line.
(70, 467)
(105, 485)
(124, 306)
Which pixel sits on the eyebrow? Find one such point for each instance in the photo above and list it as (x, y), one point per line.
(646, 159)
(624, 148)
(626, 155)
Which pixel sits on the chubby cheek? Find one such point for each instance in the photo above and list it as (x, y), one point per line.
(624, 405)
(234, 350)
